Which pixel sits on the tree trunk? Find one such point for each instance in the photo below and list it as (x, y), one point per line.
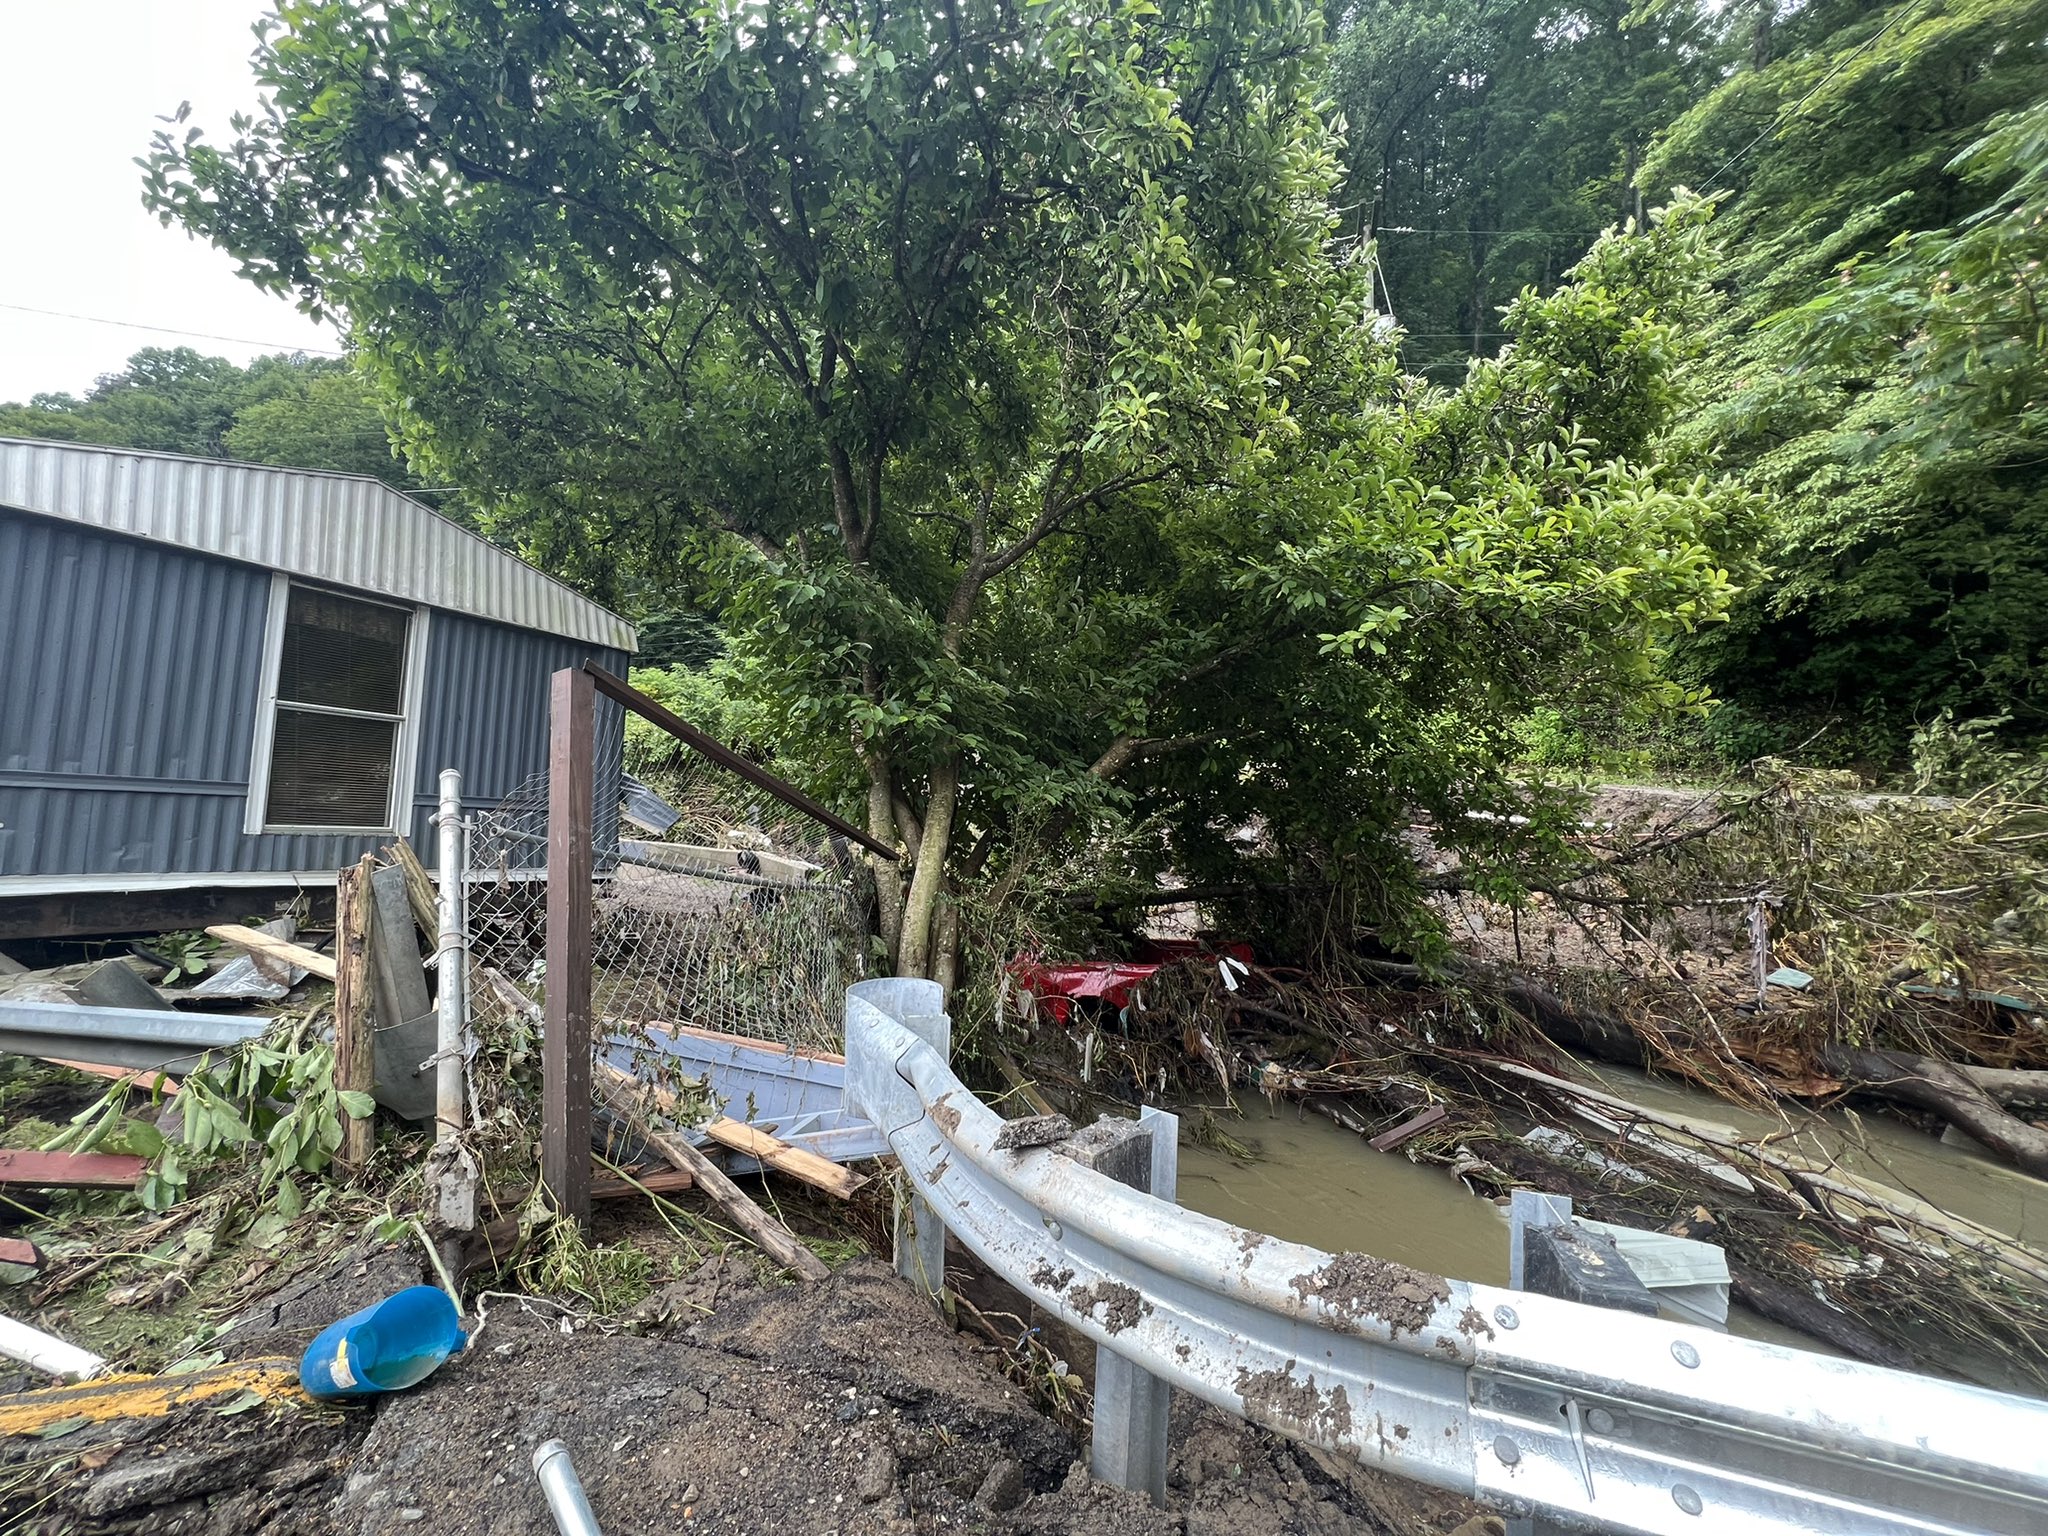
(1940, 1086)
(946, 963)
(914, 954)
(888, 872)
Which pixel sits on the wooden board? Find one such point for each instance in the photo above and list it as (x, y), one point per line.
(1409, 1129)
(818, 1172)
(143, 1079)
(245, 937)
(69, 1170)
(655, 1181)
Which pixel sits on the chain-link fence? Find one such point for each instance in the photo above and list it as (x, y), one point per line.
(714, 906)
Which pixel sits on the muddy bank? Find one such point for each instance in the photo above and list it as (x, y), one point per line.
(738, 1406)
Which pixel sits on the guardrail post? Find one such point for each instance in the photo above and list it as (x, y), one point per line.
(1131, 1404)
(920, 1234)
(1551, 1255)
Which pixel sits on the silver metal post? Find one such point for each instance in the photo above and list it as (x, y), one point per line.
(453, 1171)
(1132, 1406)
(452, 967)
(567, 1501)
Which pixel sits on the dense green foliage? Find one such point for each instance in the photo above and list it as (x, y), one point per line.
(1489, 141)
(995, 373)
(1873, 374)
(309, 413)
(1878, 373)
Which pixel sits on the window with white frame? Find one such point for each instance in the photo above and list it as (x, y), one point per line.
(333, 746)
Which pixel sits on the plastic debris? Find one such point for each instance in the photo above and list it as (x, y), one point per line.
(388, 1347)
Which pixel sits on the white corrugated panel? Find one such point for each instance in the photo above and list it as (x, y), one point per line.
(346, 529)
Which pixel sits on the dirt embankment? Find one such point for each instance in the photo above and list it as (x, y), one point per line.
(848, 1408)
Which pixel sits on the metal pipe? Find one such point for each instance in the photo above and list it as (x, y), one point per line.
(451, 964)
(46, 1352)
(567, 1501)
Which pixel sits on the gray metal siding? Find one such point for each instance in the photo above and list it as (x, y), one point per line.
(129, 685)
(486, 712)
(350, 531)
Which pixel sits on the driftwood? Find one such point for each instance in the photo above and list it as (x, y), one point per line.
(1823, 1186)
(1806, 1312)
(620, 1094)
(1969, 1098)
(2009, 1086)
(277, 949)
(1927, 1083)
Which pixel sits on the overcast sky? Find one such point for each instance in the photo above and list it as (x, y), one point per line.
(82, 83)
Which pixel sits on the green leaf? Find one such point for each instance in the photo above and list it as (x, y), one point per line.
(359, 1105)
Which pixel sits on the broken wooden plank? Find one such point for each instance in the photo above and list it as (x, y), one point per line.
(277, 949)
(620, 1092)
(655, 1181)
(355, 1030)
(1409, 1129)
(419, 888)
(818, 1172)
(19, 1250)
(69, 1170)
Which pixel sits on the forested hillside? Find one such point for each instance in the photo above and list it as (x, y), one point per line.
(1875, 372)
(309, 413)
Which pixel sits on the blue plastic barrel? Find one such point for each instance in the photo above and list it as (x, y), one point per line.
(385, 1348)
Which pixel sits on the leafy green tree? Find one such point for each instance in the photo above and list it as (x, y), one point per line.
(1489, 141)
(1876, 373)
(308, 413)
(988, 369)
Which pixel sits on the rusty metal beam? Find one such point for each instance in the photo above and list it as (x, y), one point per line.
(625, 693)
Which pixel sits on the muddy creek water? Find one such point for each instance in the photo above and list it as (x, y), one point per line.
(1313, 1182)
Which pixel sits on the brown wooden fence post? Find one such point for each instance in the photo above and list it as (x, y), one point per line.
(355, 1037)
(566, 1038)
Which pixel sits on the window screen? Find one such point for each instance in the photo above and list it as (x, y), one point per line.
(340, 701)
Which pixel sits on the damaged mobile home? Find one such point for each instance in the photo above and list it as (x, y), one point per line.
(221, 682)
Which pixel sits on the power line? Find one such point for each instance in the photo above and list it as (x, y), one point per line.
(168, 330)
(1787, 115)
(1409, 229)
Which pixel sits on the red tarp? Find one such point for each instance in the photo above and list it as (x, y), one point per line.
(1112, 981)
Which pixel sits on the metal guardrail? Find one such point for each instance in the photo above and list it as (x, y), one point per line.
(1593, 1419)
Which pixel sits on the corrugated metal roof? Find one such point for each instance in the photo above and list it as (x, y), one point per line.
(347, 529)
